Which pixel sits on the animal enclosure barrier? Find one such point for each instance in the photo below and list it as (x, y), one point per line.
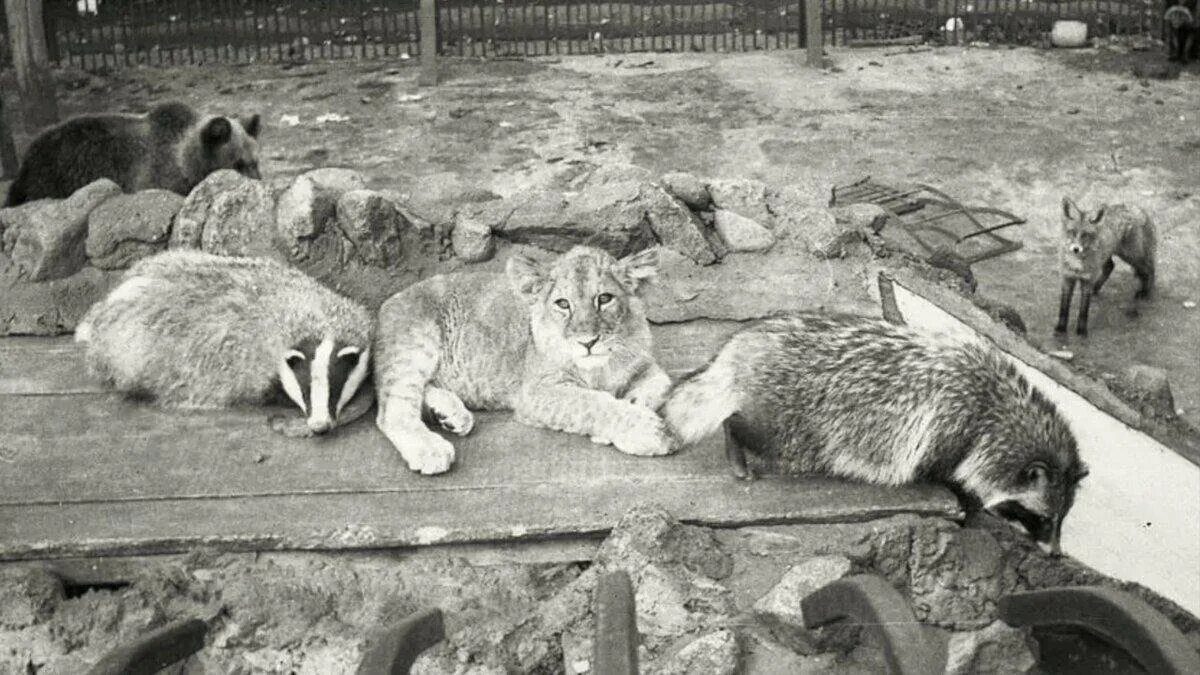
(99, 34)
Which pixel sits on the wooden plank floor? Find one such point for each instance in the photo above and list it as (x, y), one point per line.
(86, 472)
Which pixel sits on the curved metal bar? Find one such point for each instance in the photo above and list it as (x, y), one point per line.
(870, 601)
(614, 650)
(1118, 617)
(155, 650)
(393, 651)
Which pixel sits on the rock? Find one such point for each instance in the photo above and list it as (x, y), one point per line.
(613, 173)
(50, 307)
(780, 608)
(675, 226)
(864, 217)
(28, 595)
(998, 648)
(816, 228)
(611, 216)
(46, 239)
(310, 202)
(227, 214)
(672, 566)
(955, 575)
(1152, 384)
(826, 237)
(714, 654)
(743, 196)
(688, 189)
(472, 240)
(1002, 313)
(741, 233)
(373, 225)
(129, 227)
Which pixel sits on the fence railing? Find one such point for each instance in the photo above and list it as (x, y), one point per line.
(97, 34)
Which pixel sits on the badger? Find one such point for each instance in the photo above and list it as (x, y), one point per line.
(865, 399)
(193, 330)
(172, 147)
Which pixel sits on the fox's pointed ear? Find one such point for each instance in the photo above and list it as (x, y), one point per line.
(525, 274)
(1099, 213)
(1070, 211)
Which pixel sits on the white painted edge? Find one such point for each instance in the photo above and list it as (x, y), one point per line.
(1137, 515)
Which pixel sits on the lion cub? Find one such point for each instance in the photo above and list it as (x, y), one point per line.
(565, 345)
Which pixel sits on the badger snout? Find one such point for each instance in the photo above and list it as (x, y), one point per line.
(319, 424)
(1044, 530)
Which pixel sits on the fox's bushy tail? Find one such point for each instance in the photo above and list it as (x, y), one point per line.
(699, 404)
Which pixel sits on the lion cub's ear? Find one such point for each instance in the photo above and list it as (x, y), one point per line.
(525, 274)
(632, 270)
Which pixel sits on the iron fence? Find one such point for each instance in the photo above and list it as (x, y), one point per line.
(993, 21)
(96, 34)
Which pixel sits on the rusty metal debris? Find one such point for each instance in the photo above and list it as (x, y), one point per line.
(869, 601)
(935, 220)
(614, 651)
(393, 651)
(155, 650)
(1120, 619)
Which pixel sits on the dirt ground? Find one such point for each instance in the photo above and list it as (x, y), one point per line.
(1012, 128)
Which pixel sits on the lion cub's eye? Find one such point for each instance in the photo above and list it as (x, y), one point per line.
(603, 299)
(562, 303)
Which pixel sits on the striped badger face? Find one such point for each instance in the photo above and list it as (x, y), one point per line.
(1025, 468)
(321, 377)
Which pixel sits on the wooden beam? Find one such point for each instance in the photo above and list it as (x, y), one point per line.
(813, 33)
(31, 61)
(427, 15)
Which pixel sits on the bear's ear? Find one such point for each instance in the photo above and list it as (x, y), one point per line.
(632, 270)
(252, 125)
(526, 275)
(217, 131)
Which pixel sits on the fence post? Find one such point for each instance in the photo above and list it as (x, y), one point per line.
(814, 36)
(429, 42)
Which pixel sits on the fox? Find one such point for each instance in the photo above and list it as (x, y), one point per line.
(867, 399)
(1180, 25)
(1089, 242)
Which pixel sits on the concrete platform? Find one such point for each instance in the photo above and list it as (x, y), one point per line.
(87, 472)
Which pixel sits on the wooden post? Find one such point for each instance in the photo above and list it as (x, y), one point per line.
(427, 15)
(27, 39)
(8, 151)
(814, 35)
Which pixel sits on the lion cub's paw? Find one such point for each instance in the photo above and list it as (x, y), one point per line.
(448, 409)
(423, 450)
(645, 434)
(292, 427)
(600, 440)
(651, 392)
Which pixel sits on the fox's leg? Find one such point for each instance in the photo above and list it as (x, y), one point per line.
(1104, 273)
(1145, 274)
(1064, 304)
(406, 354)
(1085, 303)
(446, 409)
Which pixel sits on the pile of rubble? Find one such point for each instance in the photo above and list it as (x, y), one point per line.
(708, 601)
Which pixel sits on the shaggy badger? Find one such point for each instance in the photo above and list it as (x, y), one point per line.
(172, 147)
(862, 398)
(195, 330)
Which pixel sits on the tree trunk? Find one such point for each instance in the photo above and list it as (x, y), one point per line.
(27, 39)
(8, 151)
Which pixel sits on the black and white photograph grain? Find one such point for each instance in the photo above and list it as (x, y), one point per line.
(642, 337)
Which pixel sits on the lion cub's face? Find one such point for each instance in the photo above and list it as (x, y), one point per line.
(584, 305)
